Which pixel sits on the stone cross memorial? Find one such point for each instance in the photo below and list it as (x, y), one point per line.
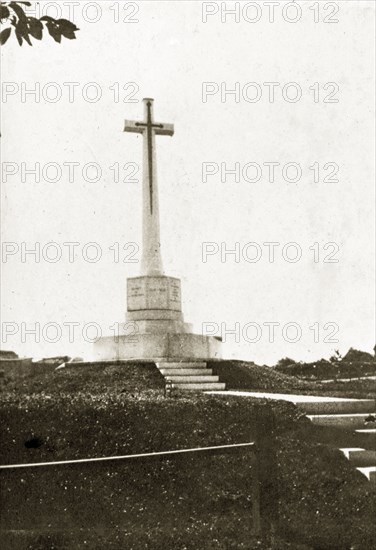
(155, 328)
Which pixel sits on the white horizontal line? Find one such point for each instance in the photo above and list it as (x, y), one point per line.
(124, 457)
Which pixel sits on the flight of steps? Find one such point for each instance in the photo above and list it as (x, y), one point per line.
(190, 375)
(351, 416)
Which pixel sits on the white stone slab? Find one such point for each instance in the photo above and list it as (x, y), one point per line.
(339, 420)
(181, 364)
(291, 397)
(315, 404)
(157, 347)
(193, 378)
(200, 386)
(154, 314)
(185, 372)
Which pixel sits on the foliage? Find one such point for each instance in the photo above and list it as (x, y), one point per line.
(285, 362)
(355, 355)
(354, 364)
(335, 357)
(26, 27)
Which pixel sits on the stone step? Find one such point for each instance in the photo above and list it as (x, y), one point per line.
(360, 457)
(200, 386)
(342, 406)
(182, 365)
(185, 372)
(370, 473)
(192, 379)
(347, 450)
(339, 420)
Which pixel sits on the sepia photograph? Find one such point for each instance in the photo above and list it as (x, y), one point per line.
(188, 347)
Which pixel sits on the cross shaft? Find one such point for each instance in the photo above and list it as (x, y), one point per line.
(151, 257)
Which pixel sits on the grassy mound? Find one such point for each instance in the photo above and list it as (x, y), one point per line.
(181, 504)
(88, 378)
(244, 375)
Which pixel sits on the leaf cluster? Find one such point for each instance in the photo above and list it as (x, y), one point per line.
(25, 27)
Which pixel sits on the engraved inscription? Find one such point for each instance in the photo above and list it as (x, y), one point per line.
(175, 298)
(153, 293)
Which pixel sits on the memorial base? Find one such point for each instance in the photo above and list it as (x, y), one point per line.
(155, 329)
(158, 347)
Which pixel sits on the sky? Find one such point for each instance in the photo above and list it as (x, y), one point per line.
(274, 141)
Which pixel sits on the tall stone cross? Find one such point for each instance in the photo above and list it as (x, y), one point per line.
(151, 262)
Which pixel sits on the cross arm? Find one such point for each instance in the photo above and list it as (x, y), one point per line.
(166, 130)
(130, 126)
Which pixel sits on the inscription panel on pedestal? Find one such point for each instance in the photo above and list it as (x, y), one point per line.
(174, 294)
(136, 296)
(153, 293)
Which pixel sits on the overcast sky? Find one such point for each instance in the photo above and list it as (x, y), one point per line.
(320, 126)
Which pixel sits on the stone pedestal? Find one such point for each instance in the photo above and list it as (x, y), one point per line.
(155, 328)
(154, 293)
